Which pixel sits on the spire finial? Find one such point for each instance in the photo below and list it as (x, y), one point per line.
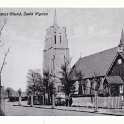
(122, 38)
(121, 45)
(55, 18)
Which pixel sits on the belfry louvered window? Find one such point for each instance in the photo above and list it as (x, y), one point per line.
(55, 37)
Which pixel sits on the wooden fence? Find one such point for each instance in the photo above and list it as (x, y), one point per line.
(103, 102)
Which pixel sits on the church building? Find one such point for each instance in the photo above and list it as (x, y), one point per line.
(104, 70)
(56, 51)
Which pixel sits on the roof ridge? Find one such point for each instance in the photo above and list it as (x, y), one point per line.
(98, 53)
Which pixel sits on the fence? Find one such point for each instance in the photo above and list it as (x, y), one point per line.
(103, 102)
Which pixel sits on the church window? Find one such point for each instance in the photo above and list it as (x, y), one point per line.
(121, 89)
(119, 61)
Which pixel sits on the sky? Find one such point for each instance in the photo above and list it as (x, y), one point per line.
(88, 31)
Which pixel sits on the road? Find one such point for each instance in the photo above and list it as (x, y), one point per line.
(12, 109)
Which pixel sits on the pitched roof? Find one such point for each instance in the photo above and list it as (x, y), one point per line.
(96, 64)
(114, 80)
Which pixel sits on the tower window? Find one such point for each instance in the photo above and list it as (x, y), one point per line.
(55, 38)
(60, 39)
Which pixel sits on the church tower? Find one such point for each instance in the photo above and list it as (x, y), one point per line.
(56, 51)
(121, 45)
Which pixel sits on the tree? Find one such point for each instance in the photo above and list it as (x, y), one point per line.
(3, 63)
(19, 91)
(1, 29)
(19, 94)
(67, 82)
(5, 55)
(9, 91)
(35, 83)
(49, 85)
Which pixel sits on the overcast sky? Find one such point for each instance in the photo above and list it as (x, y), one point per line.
(88, 31)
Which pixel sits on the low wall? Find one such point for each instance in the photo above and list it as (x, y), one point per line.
(104, 102)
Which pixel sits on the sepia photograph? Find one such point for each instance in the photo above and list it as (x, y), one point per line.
(61, 61)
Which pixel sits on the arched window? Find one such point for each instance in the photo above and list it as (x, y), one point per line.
(119, 61)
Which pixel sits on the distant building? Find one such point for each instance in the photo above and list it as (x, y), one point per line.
(107, 67)
(56, 51)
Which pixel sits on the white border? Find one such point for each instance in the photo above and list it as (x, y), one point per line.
(62, 120)
(62, 4)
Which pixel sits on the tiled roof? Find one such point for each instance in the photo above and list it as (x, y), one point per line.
(114, 80)
(96, 64)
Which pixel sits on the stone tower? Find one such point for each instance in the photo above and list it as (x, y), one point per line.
(121, 44)
(56, 51)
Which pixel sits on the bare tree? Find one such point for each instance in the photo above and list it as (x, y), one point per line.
(1, 29)
(20, 95)
(1, 44)
(35, 83)
(4, 59)
(9, 91)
